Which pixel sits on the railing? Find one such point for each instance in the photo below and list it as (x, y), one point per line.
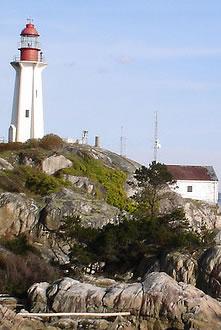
(17, 58)
(29, 44)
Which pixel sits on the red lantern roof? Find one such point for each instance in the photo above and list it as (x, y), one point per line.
(29, 30)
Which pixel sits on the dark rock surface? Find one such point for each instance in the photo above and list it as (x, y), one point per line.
(93, 212)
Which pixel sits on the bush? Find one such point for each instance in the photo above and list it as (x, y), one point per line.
(18, 273)
(51, 142)
(11, 181)
(35, 156)
(28, 179)
(41, 183)
(32, 143)
(123, 246)
(18, 245)
(11, 146)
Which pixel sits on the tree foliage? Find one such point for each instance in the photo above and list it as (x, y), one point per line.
(153, 182)
(146, 232)
(156, 175)
(122, 246)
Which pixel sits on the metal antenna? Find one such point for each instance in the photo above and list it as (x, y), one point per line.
(123, 143)
(125, 146)
(156, 144)
(30, 20)
(84, 138)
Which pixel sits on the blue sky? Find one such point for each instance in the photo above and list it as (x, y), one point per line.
(115, 62)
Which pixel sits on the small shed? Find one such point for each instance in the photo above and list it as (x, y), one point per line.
(195, 182)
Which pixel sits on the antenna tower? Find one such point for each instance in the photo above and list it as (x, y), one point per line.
(156, 142)
(123, 141)
(84, 138)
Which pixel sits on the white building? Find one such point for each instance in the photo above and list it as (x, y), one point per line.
(27, 113)
(195, 182)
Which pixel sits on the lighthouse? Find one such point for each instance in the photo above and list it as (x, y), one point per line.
(27, 121)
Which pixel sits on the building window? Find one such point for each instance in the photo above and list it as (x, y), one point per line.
(27, 112)
(36, 93)
(189, 188)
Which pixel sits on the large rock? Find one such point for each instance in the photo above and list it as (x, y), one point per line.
(5, 165)
(181, 267)
(158, 303)
(80, 182)
(94, 213)
(202, 215)
(55, 163)
(18, 214)
(209, 279)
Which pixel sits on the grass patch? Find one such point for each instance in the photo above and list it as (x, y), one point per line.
(112, 180)
(28, 179)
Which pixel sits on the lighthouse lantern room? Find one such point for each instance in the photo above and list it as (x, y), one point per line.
(27, 120)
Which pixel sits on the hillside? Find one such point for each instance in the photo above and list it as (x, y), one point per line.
(67, 210)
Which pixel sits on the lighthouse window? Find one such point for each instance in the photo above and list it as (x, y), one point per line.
(27, 113)
(36, 93)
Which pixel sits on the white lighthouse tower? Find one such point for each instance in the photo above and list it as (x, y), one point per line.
(27, 120)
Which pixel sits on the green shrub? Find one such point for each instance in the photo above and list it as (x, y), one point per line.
(29, 179)
(18, 245)
(42, 184)
(123, 246)
(112, 180)
(32, 143)
(35, 155)
(11, 181)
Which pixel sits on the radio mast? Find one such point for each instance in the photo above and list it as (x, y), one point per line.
(123, 143)
(156, 144)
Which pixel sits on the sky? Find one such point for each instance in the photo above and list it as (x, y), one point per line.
(113, 63)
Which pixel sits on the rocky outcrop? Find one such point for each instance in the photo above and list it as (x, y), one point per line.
(108, 157)
(94, 213)
(55, 163)
(80, 182)
(18, 214)
(4, 165)
(181, 267)
(201, 215)
(209, 279)
(159, 301)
